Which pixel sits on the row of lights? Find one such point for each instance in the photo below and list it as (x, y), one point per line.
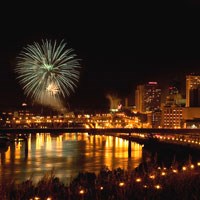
(122, 184)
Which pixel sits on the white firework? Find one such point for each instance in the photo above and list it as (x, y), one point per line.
(48, 71)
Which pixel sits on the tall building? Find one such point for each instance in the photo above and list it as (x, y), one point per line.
(191, 111)
(172, 116)
(152, 96)
(172, 111)
(148, 97)
(148, 101)
(139, 98)
(192, 90)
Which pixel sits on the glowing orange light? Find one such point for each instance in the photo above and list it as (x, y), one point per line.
(81, 192)
(157, 187)
(145, 186)
(184, 168)
(121, 184)
(152, 176)
(138, 180)
(163, 173)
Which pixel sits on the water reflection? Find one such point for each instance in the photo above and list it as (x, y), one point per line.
(67, 154)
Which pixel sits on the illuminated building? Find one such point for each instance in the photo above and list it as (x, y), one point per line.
(192, 91)
(191, 117)
(156, 118)
(152, 96)
(139, 98)
(172, 116)
(172, 110)
(191, 113)
(148, 100)
(148, 97)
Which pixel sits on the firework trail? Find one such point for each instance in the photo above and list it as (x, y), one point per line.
(48, 72)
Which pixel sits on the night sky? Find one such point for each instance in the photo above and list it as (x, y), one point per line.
(120, 46)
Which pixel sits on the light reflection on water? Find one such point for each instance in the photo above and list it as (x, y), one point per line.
(67, 155)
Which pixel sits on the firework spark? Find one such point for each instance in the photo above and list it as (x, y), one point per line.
(47, 72)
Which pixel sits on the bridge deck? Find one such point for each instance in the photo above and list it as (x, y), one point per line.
(99, 130)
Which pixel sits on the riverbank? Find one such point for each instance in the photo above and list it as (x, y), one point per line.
(148, 181)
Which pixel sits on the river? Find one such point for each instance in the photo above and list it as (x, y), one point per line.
(68, 154)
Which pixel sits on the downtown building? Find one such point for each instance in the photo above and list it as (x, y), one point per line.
(192, 91)
(148, 101)
(191, 112)
(172, 109)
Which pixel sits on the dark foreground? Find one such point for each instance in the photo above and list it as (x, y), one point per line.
(147, 182)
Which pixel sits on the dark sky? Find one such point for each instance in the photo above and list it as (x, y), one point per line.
(119, 45)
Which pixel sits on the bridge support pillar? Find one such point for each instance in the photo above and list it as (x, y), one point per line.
(129, 146)
(26, 147)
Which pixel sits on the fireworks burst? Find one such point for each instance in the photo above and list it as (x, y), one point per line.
(47, 72)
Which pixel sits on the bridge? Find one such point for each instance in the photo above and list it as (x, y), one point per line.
(101, 131)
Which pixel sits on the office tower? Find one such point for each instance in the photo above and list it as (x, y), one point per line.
(192, 90)
(152, 96)
(172, 109)
(191, 112)
(139, 98)
(148, 97)
(172, 116)
(148, 100)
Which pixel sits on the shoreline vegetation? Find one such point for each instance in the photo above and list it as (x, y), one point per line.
(149, 181)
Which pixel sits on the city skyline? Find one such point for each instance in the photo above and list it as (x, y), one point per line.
(119, 48)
